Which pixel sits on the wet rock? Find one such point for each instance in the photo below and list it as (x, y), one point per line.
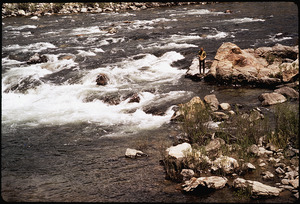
(211, 182)
(288, 92)
(102, 79)
(257, 189)
(268, 99)
(226, 164)
(134, 99)
(212, 101)
(24, 84)
(37, 58)
(133, 153)
(179, 151)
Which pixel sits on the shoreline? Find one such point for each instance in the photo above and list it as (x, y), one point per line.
(43, 9)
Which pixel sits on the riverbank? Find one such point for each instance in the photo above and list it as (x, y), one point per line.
(41, 9)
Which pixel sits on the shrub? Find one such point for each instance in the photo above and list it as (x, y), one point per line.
(286, 126)
(194, 117)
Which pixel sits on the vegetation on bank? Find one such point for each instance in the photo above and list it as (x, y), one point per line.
(240, 132)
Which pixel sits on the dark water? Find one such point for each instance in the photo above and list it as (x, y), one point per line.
(52, 156)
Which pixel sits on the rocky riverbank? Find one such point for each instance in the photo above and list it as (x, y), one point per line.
(223, 145)
(40, 9)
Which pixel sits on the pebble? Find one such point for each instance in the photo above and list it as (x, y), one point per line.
(279, 170)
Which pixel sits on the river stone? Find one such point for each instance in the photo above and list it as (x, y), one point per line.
(225, 106)
(268, 99)
(225, 163)
(257, 189)
(133, 153)
(211, 182)
(212, 101)
(248, 166)
(179, 151)
(267, 175)
(220, 115)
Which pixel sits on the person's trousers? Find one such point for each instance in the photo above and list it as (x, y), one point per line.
(201, 65)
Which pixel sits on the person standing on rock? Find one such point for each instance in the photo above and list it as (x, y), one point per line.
(202, 56)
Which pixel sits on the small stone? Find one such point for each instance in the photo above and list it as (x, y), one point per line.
(279, 170)
(225, 106)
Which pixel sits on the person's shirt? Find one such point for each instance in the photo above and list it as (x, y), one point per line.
(202, 54)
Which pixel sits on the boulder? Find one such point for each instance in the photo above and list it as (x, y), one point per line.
(256, 188)
(226, 164)
(288, 92)
(179, 151)
(212, 101)
(211, 182)
(133, 153)
(248, 167)
(268, 99)
(102, 79)
(258, 67)
(37, 58)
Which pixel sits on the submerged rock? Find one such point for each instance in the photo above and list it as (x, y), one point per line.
(102, 79)
(211, 182)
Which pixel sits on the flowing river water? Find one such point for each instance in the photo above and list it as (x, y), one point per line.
(64, 138)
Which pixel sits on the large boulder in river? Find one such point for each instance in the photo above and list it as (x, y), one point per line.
(268, 99)
(263, 66)
(288, 92)
(102, 79)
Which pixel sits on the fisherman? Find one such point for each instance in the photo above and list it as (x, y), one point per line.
(202, 56)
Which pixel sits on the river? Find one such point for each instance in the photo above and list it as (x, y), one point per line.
(64, 138)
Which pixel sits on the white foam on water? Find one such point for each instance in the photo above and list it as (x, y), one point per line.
(35, 47)
(167, 46)
(196, 12)
(21, 27)
(51, 104)
(87, 30)
(85, 53)
(243, 20)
